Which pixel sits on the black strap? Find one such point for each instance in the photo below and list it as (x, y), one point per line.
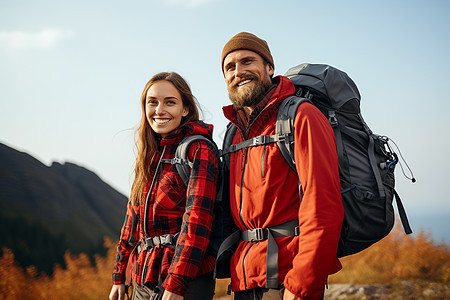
(290, 228)
(150, 191)
(284, 126)
(402, 213)
(256, 141)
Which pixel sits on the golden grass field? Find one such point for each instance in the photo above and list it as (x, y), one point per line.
(395, 259)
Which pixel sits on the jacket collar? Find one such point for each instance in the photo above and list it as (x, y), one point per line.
(194, 127)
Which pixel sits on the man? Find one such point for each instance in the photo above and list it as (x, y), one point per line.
(264, 191)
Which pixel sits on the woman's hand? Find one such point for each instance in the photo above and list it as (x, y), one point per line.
(117, 292)
(171, 296)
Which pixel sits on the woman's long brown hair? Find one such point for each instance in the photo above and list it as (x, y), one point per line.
(146, 142)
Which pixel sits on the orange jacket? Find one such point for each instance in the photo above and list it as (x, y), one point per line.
(264, 193)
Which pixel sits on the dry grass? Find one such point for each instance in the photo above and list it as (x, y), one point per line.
(397, 258)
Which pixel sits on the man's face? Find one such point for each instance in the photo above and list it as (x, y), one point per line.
(247, 77)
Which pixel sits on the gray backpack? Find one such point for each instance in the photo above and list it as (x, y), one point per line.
(366, 160)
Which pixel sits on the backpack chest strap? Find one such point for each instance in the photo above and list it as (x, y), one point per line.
(177, 160)
(258, 141)
(166, 240)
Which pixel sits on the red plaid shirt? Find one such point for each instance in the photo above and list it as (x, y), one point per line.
(173, 207)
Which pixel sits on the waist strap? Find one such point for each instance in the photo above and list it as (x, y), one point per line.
(290, 228)
(166, 240)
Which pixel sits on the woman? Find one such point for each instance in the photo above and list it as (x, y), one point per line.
(167, 226)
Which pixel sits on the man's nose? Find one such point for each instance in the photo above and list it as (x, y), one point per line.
(240, 70)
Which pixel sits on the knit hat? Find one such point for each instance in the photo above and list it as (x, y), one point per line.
(247, 41)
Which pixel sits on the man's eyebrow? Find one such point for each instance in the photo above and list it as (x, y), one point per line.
(248, 57)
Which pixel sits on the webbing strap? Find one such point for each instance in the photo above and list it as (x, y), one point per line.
(176, 160)
(372, 159)
(290, 228)
(166, 240)
(402, 213)
(256, 141)
(259, 234)
(374, 166)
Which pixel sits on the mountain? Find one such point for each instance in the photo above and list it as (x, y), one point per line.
(45, 211)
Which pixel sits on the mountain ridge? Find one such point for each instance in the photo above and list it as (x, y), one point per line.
(68, 205)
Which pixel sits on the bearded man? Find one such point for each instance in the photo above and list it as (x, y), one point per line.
(264, 190)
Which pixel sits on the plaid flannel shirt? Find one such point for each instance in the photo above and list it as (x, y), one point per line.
(173, 207)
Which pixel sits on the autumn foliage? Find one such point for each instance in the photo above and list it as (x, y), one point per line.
(396, 258)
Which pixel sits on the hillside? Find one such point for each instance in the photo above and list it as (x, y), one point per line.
(45, 211)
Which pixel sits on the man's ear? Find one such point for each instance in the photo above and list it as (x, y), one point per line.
(269, 69)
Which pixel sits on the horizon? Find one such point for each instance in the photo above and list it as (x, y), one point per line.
(72, 74)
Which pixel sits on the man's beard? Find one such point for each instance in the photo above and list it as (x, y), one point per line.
(248, 96)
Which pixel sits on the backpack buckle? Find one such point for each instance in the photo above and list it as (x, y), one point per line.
(256, 235)
(175, 160)
(259, 140)
(332, 118)
(166, 239)
(148, 243)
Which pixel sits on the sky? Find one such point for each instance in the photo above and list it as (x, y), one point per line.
(72, 72)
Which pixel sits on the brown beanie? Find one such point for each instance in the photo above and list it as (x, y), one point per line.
(247, 41)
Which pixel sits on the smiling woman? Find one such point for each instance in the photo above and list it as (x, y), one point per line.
(163, 214)
(164, 107)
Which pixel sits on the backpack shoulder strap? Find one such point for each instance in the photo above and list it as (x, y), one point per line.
(181, 161)
(228, 139)
(284, 128)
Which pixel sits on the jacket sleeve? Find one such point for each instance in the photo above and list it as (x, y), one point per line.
(128, 239)
(197, 219)
(321, 211)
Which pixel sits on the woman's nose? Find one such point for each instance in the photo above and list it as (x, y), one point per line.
(159, 109)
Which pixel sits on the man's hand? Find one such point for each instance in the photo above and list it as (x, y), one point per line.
(117, 292)
(171, 296)
(289, 296)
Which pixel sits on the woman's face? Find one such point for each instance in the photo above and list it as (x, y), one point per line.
(164, 107)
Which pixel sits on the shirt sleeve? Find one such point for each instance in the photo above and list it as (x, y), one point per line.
(321, 211)
(128, 238)
(197, 219)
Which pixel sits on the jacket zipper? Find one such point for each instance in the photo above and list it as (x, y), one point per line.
(243, 265)
(262, 161)
(145, 268)
(242, 189)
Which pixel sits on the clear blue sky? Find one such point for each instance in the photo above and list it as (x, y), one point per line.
(71, 74)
